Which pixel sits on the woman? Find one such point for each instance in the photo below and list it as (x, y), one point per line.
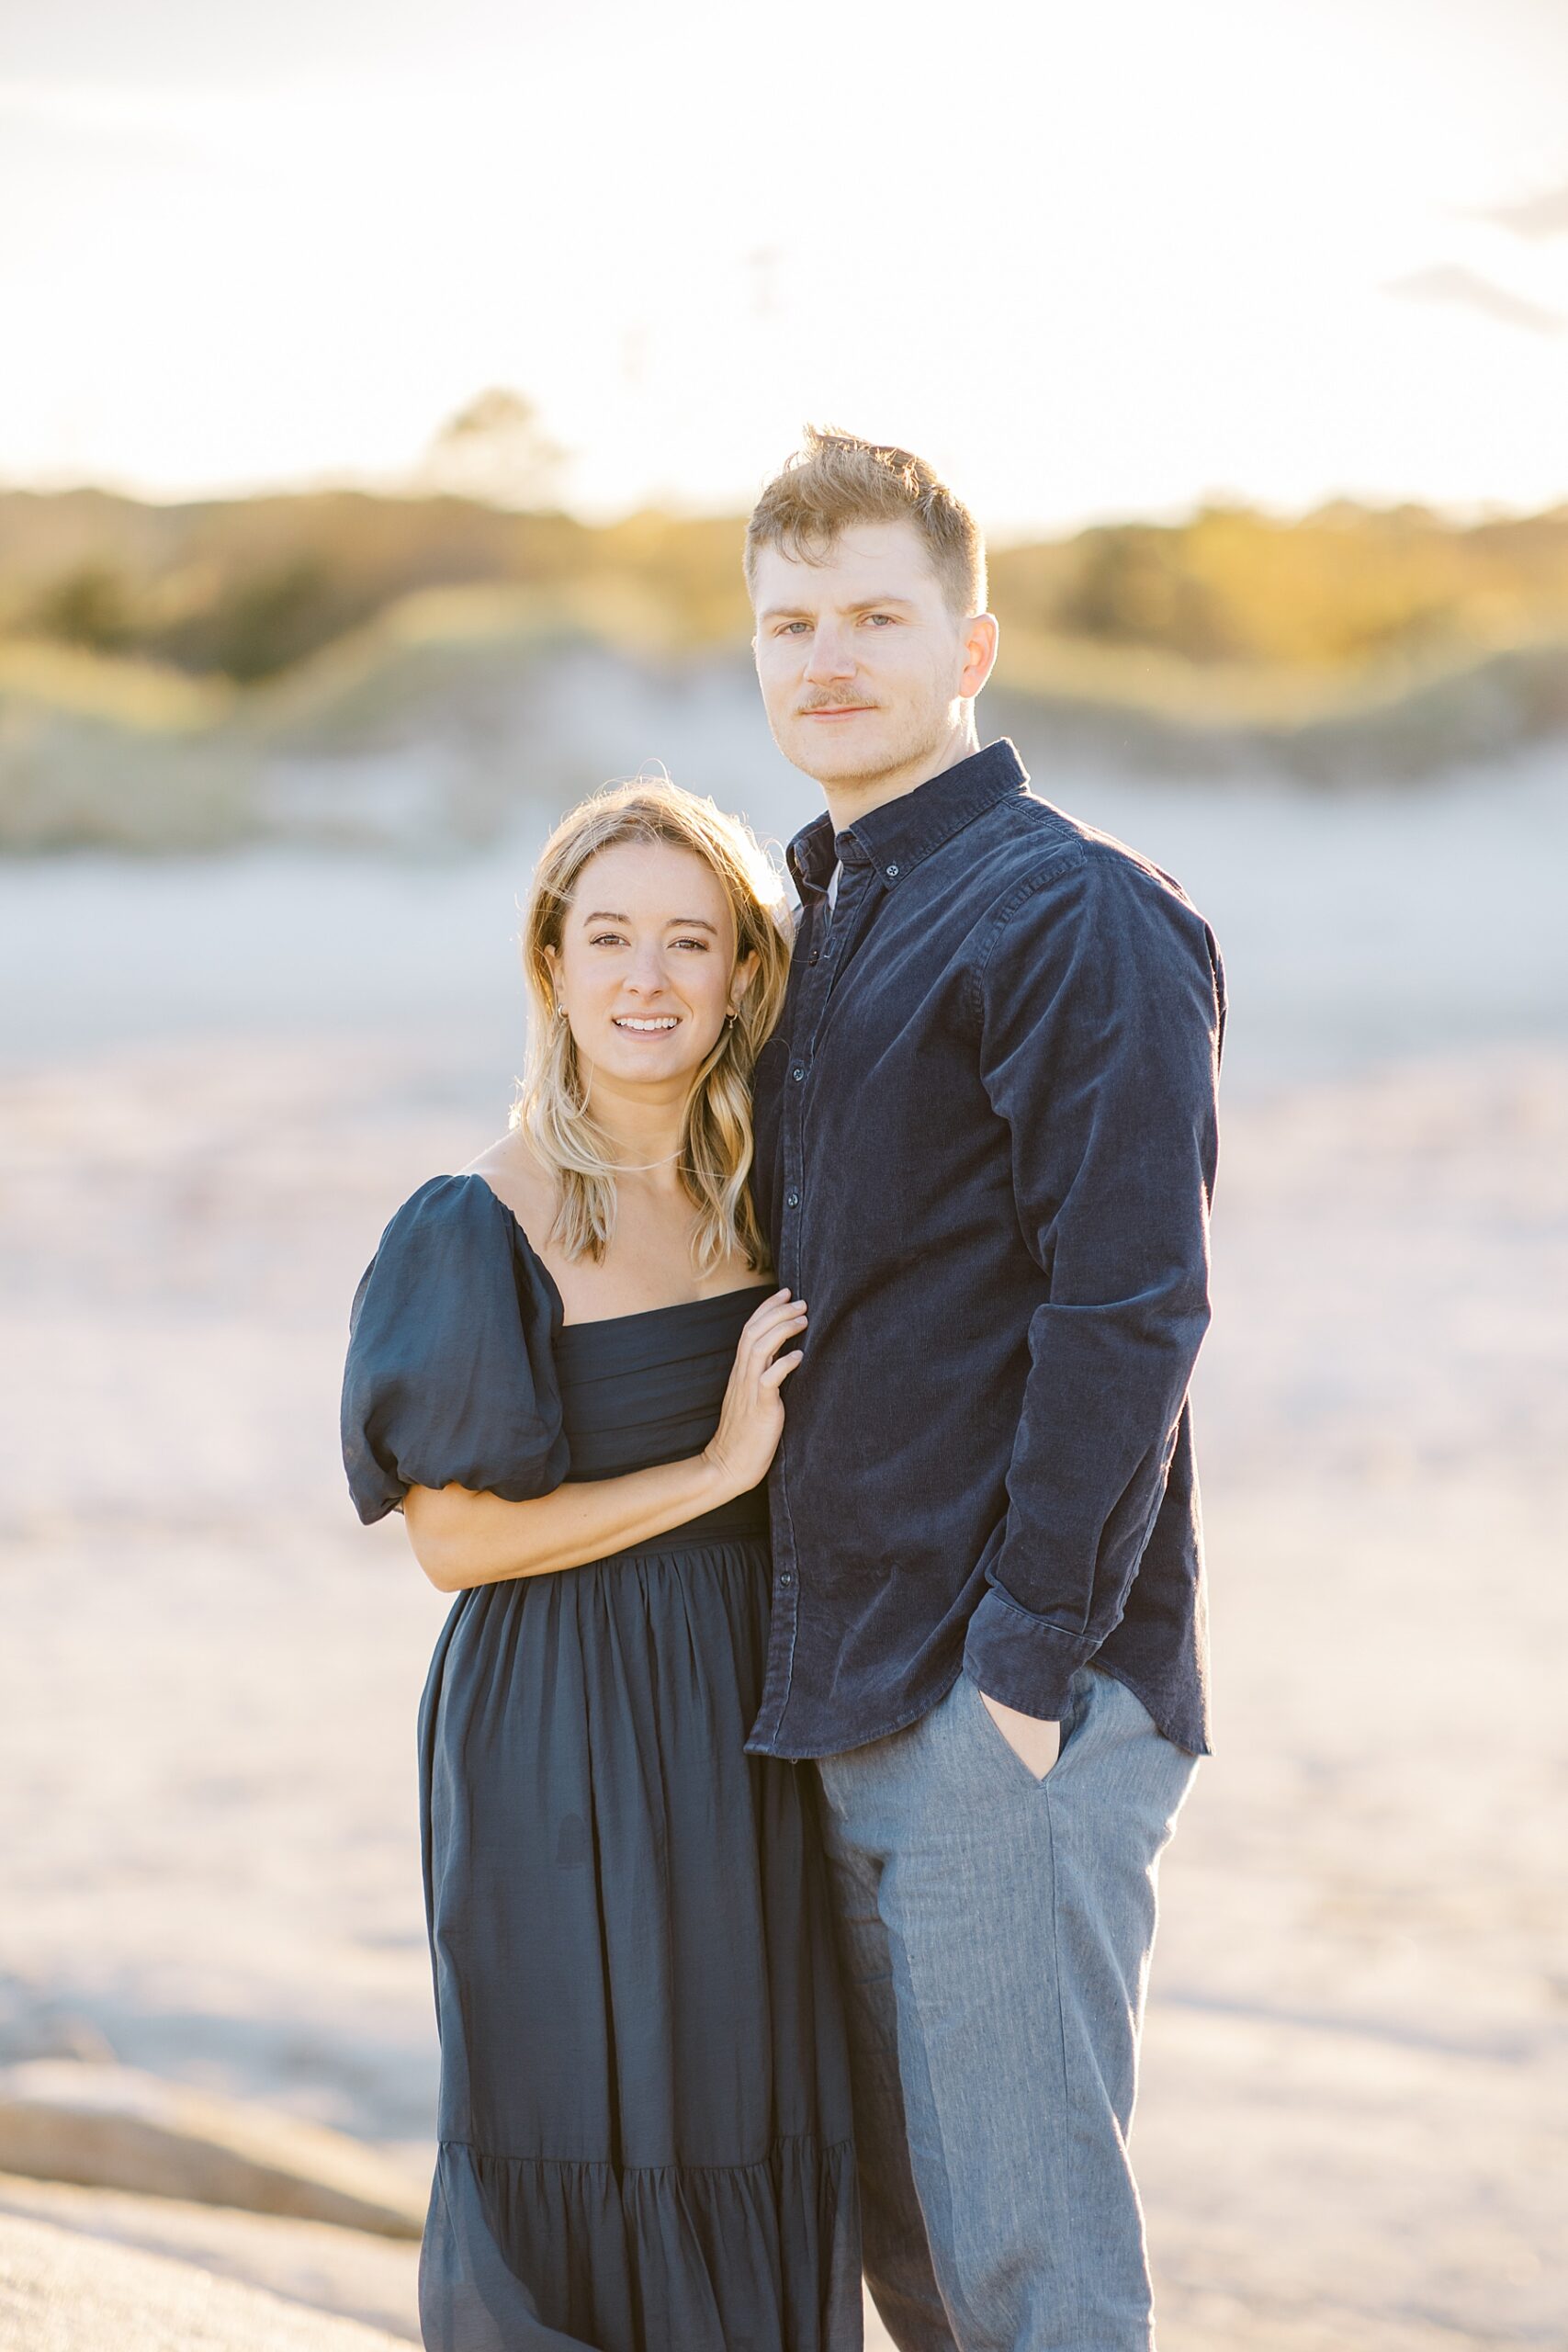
(565, 1368)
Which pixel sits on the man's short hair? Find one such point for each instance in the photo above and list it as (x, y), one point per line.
(838, 481)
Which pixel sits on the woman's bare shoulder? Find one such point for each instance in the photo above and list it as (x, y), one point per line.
(513, 1172)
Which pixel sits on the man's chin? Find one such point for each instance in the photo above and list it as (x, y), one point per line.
(838, 753)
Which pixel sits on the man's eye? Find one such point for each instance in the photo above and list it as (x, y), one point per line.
(791, 628)
(880, 617)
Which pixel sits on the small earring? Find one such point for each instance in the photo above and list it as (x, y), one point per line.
(560, 1012)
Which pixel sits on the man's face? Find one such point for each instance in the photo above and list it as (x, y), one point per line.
(863, 664)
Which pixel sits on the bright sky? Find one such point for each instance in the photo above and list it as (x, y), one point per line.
(1091, 259)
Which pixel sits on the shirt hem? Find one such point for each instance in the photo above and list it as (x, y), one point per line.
(810, 1755)
(817, 1751)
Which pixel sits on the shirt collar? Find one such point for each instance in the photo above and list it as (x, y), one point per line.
(896, 837)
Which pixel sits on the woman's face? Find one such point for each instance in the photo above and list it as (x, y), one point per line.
(646, 969)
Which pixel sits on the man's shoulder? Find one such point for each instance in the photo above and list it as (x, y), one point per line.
(1031, 843)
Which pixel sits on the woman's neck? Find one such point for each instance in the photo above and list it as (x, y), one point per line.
(641, 1138)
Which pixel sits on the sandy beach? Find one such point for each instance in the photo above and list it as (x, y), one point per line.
(219, 1078)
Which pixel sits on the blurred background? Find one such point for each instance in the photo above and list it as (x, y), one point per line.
(383, 393)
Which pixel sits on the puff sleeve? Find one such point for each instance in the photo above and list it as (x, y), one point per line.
(450, 1375)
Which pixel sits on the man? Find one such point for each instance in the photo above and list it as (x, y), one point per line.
(985, 1137)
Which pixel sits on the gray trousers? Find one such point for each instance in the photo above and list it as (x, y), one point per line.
(995, 1933)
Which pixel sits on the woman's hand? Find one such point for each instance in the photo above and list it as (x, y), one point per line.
(752, 1419)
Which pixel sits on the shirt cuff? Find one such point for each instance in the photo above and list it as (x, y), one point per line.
(1021, 1659)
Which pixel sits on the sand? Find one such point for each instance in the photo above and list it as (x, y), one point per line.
(1351, 2122)
(61, 2291)
(344, 2272)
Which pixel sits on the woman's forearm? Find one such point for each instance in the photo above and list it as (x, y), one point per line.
(462, 1539)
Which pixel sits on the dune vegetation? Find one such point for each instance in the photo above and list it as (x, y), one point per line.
(149, 655)
(245, 588)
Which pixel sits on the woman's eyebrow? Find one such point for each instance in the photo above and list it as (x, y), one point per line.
(686, 923)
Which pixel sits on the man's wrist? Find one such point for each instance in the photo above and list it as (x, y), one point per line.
(1035, 1740)
(1027, 1713)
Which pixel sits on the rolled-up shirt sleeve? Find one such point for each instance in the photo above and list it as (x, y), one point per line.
(1101, 1000)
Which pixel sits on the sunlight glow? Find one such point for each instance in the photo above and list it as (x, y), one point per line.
(1095, 263)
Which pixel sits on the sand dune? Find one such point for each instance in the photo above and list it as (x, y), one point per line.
(426, 730)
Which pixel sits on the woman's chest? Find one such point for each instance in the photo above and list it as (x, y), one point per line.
(650, 1264)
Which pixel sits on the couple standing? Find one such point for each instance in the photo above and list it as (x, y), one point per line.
(686, 1978)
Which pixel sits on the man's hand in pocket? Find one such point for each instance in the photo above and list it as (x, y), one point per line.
(1035, 1743)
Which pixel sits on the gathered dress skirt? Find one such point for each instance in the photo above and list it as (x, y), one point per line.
(645, 2137)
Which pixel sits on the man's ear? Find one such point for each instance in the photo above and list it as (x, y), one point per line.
(982, 632)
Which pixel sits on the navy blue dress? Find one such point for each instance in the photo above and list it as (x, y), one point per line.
(644, 2110)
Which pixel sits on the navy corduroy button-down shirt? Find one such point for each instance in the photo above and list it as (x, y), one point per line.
(986, 1144)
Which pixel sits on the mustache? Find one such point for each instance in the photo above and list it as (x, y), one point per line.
(836, 702)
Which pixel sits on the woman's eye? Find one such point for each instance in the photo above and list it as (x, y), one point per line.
(605, 939)
(701, 944)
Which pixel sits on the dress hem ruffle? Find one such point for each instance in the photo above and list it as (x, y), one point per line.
(537, 2254)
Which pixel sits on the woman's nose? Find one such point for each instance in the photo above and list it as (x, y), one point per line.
(646, 973)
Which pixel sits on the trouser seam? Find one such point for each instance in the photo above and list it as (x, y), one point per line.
(852, 1863)
(944, 2238)
(1066, 2203)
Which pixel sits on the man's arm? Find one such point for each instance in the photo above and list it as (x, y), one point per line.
(1101, 1006)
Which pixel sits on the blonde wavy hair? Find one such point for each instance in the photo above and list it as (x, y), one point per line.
(552, 1108)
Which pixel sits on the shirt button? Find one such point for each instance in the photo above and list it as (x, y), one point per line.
(784, 1576)
(792, 1200)
(799, 1070)
(892, 873)
(814, 955)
